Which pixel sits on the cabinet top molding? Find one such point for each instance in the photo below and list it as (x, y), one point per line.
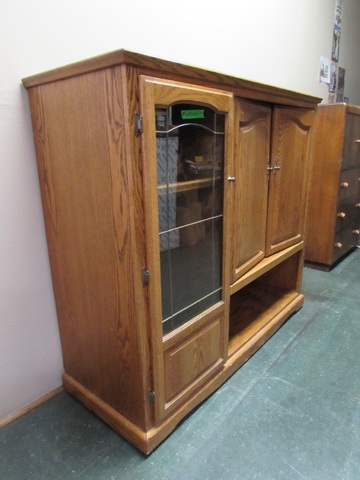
(342, 107)
(155, 66)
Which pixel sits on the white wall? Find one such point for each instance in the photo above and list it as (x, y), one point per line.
(277, 42)
(350, 49)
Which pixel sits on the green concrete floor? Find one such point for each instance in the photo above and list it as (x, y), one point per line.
(291, 412)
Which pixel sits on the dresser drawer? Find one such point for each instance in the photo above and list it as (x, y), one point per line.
(347, 213)
(345, 240)
(351, 156)
(349, 184)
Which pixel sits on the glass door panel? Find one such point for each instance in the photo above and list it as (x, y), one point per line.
(190, 161)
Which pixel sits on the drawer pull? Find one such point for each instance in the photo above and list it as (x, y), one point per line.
(345, 185)
(357, 205)
(356, 232)
(341, 214)
(357, 140)
(338, 245)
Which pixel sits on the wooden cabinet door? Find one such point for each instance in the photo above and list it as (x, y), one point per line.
(288, 177)
(185, 143)
(250, 190)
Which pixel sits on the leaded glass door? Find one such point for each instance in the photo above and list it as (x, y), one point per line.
(185, 144)
(190, 171)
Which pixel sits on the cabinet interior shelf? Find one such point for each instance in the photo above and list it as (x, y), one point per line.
(266, 300)
(188, 185)
(252, 308)
(264, 266)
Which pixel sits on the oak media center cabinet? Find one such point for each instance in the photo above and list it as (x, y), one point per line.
(174, 205)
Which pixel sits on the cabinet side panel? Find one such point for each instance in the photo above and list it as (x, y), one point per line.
(81, 152)
(324, 183)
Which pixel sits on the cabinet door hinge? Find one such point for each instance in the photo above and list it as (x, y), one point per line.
(152, 396)
(138, 123)
(145, 277)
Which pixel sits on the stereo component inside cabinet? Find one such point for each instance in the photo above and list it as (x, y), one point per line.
(333, 219)
(174, 203)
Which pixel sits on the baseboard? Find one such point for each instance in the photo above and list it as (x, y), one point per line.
(13, 416)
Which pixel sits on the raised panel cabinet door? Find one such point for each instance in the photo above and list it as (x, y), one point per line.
(184, 150)
(250, 189)
(288, 177)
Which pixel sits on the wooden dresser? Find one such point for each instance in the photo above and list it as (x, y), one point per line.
(174, 203)
(333, 215)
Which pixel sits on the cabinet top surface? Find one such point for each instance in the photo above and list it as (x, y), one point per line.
(165, 68)
(343, 107)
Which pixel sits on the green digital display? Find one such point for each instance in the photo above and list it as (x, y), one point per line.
(192, 114)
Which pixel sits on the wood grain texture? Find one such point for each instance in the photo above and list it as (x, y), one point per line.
(86, 200)
(99, 193)
(253, 306)
(290, 149)
(152, 66)
(189, 363)
(268, 263)
(159, 92)
(250, 190)
(334, 186)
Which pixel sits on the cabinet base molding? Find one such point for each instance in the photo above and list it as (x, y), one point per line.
(108, 414)
(148, 441)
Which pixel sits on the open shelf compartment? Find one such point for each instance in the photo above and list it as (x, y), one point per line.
(261, 306)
